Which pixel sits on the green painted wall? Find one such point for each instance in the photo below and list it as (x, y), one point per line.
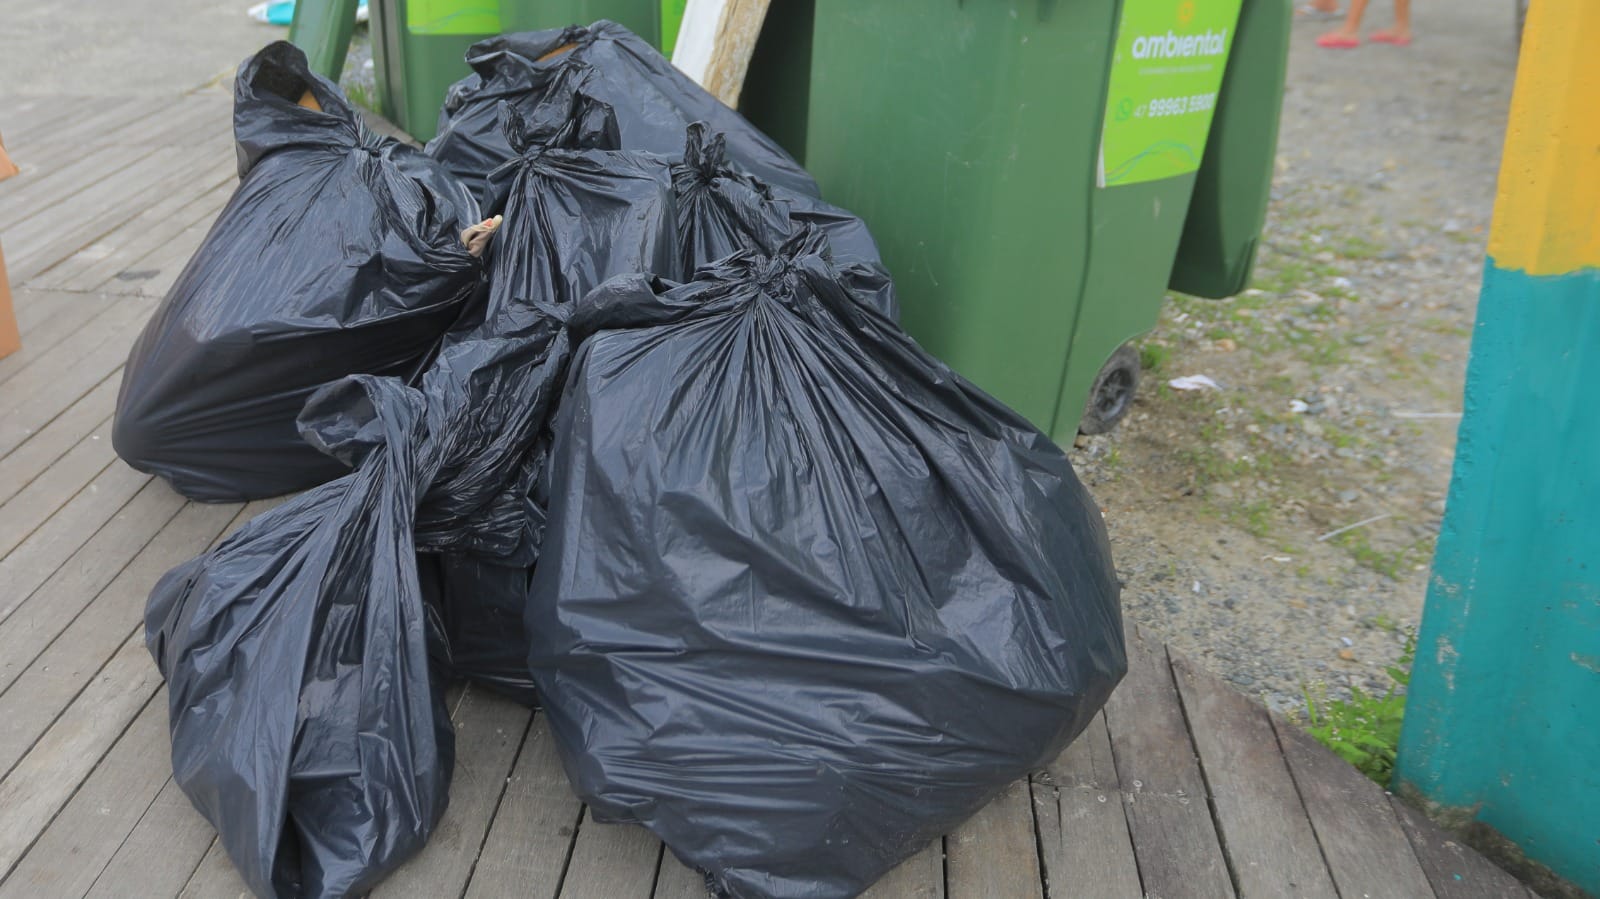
(1503, 718)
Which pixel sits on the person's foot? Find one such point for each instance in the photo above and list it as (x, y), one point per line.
(1339, 40)
(1391, 36)
(1320, 9)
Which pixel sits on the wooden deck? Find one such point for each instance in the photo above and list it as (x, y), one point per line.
(1181, 788)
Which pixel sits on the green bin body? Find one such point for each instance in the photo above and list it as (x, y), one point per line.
(1027, 166)
(419, 46)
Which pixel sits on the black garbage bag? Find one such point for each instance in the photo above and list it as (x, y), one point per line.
(306, 726)
(339, 253)
(578, 211)
(653, 102)
(807, 599)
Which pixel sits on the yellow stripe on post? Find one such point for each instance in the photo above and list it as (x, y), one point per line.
(1547, 210)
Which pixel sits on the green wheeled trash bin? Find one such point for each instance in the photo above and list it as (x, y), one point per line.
(1027, 168)
(419, 47)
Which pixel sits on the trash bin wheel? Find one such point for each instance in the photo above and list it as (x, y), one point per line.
(1112, 394)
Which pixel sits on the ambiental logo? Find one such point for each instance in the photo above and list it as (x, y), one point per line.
(1171, 46)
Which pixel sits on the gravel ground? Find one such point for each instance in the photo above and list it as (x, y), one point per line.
(1341, 372)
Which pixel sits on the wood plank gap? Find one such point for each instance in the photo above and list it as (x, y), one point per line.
(97, 210)
(37, 112)
(66, 319)
(528, 849)
(1455, 869)
(39, 786)
(50, 386)
(25, 512)
(1200, 763)
(1083, 824)
(51, 442)
(102, 264)
(499, 800)
(1365, 848)
(27, 637)
(73, 850)
(31, 206)
(34, 562)
(100, 128)
(1266, 834)
(1174, 840)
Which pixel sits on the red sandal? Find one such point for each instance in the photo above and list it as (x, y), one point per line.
(1335, 41)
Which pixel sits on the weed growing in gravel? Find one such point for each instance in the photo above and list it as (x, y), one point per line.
(1153, 357)
(1365, 730)
(1388, 563)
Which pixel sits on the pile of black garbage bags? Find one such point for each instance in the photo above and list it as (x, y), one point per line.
(792, 594)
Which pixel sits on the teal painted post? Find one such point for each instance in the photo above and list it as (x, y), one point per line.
(1502, 721)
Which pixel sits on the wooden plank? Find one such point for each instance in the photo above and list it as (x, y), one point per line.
(32, 505)
(489, 731)
(40, 451)
(98, 127)
(166, 846)
(919, 877)
(118, 252)
(36, 560)
(52, 681)
(1455, 870)
(1083, 829)
(31, 142)
(40, 784)
(66, 318)
(60, 165)
(53, 234)
(215, 878)
(1265, 832)
(993, 854)
(73, 850)
(40, 191)
(676, 880)
(33, 310)
(715, 42)
(531, 836)
(49, 611)
(1361, 838)
(50, 385)
(198, 114)
(1174, 838)
(175, 126)
(31, 113)
(611, 861)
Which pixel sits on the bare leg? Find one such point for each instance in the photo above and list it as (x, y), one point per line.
(1325, 5)
(1351, 29)
(1401, 32)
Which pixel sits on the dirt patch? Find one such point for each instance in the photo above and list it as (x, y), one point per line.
(1341, 371)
